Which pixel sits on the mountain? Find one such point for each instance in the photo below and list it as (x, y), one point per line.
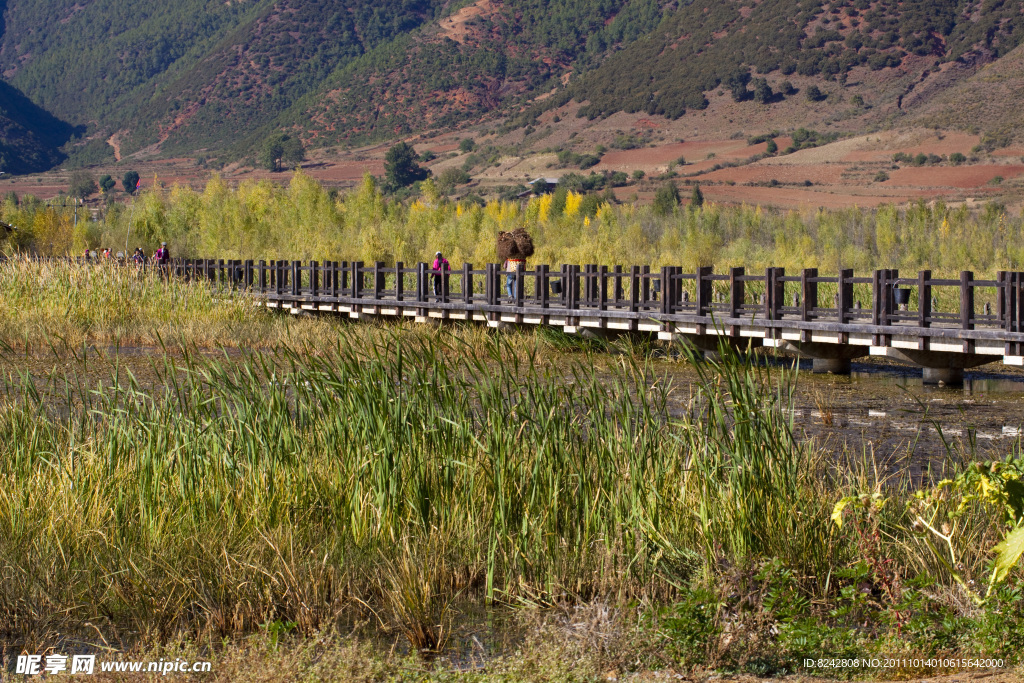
(219, 76)
(706, 45)
(30, 137)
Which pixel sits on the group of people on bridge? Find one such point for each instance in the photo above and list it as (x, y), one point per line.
(161, 257)
(441, 265)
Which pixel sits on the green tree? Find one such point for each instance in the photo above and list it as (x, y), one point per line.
(400, 167)
(107, 184)
(814, 94)
(697, 198)
(737, 83)
(281, 150)
(666, 199)
(130, 181)
(762, 91)
(272, 153)
(81, 185)
(450, 178)
(467, 145)
(772, 147)
(294, 151)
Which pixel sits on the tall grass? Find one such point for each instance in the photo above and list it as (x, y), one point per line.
(304, 220)
(386, 474)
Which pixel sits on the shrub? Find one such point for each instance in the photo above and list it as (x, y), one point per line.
(666, 199)
(814, 94)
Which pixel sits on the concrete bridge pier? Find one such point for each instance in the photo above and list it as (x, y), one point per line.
(947, 376)
(707, 345)
(834, 359)
(831, 366)
(938, 367)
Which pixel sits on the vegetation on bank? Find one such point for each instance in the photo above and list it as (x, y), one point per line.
(395, 479)
(305, 221)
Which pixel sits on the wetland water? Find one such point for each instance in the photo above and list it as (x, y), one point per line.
(881, 414)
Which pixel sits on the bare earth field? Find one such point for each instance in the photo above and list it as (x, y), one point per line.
(845, 173)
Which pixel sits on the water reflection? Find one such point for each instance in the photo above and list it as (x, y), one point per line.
(973, 383)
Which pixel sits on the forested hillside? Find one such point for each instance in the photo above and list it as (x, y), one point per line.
(705, 45)
(219, 77)
(86, 61)
(503, 52)
(30, 138)
(261, 68)
(481, 59)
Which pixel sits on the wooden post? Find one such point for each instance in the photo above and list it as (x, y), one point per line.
(924, 298)
(1000, 296)
(520, 286)
(705, 290)
(602, 288)
(378, 279)
(891, 277)
(467, 283)
(617, 293)
(737, 292)
(666, 280)
(314, 278)
(296, 278)
(357, 279)
(542, 285)
(399, 281)
(263, 276)
(573, 295)
(966, 300)
(775, 293)
(877, 296)
(248, 273)
(421, 281)
(645, 272)
(845, 295)
(808, 292)
(634, 289)
(491, 284)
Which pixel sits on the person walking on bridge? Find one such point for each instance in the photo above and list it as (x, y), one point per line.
(440, 278)
(162, 258)
(512, 266)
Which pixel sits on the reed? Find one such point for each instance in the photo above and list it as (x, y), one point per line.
(390, 473)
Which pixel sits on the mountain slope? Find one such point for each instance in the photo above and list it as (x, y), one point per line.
(30, 138)
(485, 57)
(703, 46)
(263, 66)
(92, 62)
(220, 76)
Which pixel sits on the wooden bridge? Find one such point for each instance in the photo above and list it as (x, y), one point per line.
(941, 325)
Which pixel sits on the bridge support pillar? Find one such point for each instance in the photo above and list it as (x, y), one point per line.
(825, 358)
(949, 376)
(830, 366)
(599, 334)
(938, 367)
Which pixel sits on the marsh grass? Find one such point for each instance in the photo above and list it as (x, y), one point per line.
(393, 473)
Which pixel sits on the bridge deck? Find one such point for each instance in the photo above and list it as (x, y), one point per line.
(928, 321)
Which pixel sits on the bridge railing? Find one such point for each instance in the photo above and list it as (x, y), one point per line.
(882, 299)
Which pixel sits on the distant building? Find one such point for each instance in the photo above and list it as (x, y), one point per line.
(539, 186)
